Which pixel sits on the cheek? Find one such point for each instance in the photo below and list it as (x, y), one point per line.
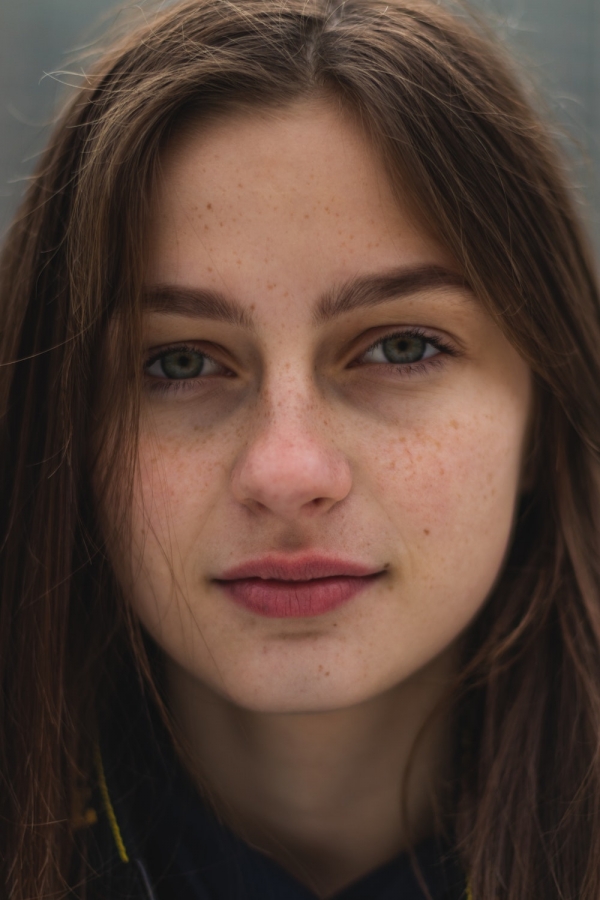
(179, 483)
(450, 490)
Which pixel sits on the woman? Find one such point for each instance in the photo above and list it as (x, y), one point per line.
(299, 460)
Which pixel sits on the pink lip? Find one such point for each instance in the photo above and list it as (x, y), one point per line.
(280, 587)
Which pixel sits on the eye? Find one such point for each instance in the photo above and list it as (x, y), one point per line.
(404, 348)
(181, 363)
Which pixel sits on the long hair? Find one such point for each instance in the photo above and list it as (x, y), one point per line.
(457, 132)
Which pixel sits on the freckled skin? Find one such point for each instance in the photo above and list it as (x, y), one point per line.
(298, 450)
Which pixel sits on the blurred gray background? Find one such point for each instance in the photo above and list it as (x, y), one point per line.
(557, 43)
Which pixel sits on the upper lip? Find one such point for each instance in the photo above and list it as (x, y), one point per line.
(299, 568)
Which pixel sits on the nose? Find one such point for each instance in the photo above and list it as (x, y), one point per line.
(291, 467)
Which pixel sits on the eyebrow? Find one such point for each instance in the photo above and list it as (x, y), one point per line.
(356, 293)
(200, 303)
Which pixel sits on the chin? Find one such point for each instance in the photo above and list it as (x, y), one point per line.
(324, 687)
(295, 701)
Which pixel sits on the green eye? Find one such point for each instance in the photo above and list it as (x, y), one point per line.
(404, 348)
(179, 364)
(401, 349)
(182, 364)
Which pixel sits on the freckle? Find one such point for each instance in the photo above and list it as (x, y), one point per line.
(239, 262)
(320, 668)
(454, 423)
(209, 269)
(240, 184)
(426, 531)
(221, 224)
(327, 674)
(209, 205)
(306, 216)
(206, 227)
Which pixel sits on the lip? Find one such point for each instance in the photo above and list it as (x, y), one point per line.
(310, 585)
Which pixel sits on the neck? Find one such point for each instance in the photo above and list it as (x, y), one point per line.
(324, 794)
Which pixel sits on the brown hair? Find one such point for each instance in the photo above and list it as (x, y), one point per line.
(456, 128)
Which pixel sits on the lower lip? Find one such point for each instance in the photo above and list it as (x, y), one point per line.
(295, 599)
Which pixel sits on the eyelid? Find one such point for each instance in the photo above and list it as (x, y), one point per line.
(443, 344)
(156, 353)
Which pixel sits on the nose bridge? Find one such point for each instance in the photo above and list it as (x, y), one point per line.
(290, 463)
(289, 400)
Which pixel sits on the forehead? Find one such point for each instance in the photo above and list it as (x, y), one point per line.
(273, 203)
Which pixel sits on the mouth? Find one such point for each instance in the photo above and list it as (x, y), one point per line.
(280, 587)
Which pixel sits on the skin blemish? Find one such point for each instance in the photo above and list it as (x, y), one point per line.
(209, 205)
(426, 531)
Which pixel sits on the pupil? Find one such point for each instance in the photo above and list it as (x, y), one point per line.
(182, 365)
(404, 349)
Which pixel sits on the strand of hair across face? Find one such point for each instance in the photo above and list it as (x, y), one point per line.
(109, 809)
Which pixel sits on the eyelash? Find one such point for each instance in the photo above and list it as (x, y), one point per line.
(408, 369)
(166, 385)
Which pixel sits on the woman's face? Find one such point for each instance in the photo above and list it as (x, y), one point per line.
(332, 427)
